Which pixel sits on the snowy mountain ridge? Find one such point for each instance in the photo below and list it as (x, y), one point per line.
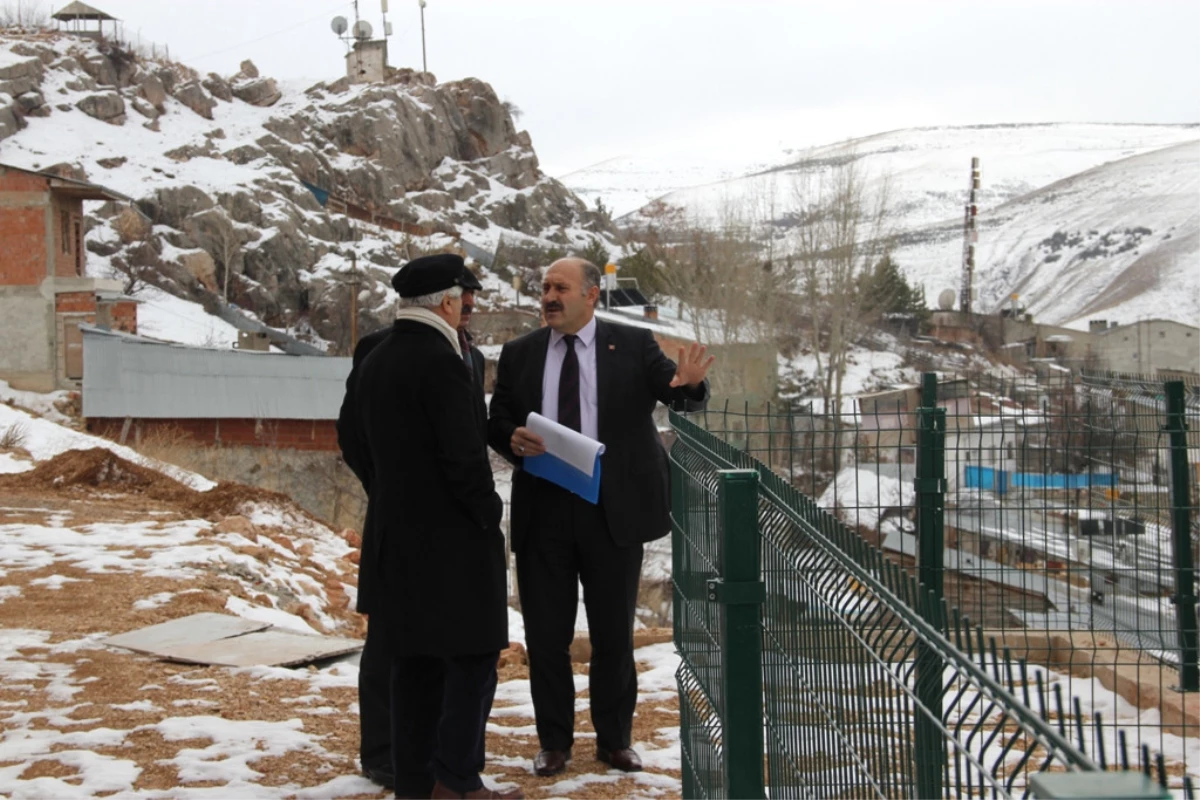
(1039, 181)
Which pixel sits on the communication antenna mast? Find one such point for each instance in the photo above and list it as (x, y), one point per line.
(970, 237)
(387, 26)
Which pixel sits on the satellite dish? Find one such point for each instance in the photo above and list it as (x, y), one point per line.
(946, 300)
(362, 29)
(339, 25)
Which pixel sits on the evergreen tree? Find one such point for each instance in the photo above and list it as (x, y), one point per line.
(885, 290)
(596, 253)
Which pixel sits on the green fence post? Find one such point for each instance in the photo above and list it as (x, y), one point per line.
(1181, 524)
(1095, 785)
(740, 590)
(930, 496)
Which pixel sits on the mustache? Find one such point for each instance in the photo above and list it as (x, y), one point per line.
(553, 305)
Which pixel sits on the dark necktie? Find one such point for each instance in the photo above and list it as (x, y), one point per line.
(568, 387)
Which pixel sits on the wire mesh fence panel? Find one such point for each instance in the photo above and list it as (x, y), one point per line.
(842, 629)
(697, 623)
(1070, 534)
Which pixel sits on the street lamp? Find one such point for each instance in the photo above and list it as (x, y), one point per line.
(424, 66)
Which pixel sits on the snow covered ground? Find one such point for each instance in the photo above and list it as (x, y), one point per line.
(87, 554)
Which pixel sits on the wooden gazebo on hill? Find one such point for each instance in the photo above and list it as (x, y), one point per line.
(78, 18)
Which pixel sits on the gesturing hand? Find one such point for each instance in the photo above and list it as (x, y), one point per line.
(692, 366)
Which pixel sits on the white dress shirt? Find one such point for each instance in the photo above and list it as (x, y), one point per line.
(585, 351)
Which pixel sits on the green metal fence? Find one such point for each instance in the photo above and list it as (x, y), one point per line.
(871, 685)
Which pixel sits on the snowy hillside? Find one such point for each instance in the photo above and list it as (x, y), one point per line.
(230, 176)
(627, 183)
(1120, 241)
(926, 171)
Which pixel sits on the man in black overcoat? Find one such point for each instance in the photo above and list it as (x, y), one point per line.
(432, 571)
(375, 667)
(604, 380)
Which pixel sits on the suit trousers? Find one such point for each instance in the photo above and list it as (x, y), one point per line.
(440, 708)
(568, 543)
(374, 700)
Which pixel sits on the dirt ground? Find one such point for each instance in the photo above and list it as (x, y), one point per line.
(67, 682)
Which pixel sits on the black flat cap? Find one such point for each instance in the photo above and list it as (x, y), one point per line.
(469, 281)
(436, 273)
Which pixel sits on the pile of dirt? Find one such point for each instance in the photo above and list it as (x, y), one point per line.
(84, 472)
(226, 499)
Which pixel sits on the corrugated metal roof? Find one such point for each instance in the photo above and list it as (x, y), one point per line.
(130, 376)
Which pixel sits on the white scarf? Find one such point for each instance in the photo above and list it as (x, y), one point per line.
(424, 315)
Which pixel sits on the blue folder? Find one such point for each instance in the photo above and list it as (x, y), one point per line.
(555, 470)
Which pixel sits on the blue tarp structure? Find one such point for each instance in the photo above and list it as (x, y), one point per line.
(1000, 481)
(322, 195)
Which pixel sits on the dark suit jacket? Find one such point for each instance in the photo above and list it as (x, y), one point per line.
(632, 376)
(433, 556)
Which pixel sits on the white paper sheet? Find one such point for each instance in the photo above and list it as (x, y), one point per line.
(571, 446)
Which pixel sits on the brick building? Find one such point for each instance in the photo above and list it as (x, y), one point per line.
(44, 292)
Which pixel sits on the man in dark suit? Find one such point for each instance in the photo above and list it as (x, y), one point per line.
(375, 667)
(432, 571)
(603, 380)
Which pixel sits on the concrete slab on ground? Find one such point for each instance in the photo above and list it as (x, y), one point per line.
(224, 640)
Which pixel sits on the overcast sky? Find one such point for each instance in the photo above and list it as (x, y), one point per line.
(731, 79)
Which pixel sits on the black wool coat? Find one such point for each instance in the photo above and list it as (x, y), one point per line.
(349, 432)
(433, 555)
(632, 377)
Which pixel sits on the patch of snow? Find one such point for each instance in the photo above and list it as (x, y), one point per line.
(45, 439)
(272, 616)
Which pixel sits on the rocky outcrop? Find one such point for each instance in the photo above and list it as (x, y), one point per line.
(192, 95)
(258, 92)
(33, 104)
(172, 206)
(151, 89)
(106, 106)
(10, 119)
(218, 87)
(21, 76)
(247, 70)
(409, 155)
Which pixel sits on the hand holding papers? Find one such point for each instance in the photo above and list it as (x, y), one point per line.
(571, 460)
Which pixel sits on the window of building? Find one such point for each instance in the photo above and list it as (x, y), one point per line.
(65, 218)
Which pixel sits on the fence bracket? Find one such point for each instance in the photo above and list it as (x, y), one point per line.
(736, 593)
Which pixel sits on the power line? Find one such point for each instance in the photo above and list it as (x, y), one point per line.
(264, 37)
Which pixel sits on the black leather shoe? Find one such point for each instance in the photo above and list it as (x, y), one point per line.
(380, 775)
(551, 762)
(441, 792)
(626, 759)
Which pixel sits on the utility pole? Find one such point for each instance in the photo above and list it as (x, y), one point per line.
(353, 283)
(424, 65)
(970, 237)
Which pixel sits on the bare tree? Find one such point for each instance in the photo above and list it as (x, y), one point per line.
(217, 234)
(721, 268)
(26, 14)
(843, 231)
